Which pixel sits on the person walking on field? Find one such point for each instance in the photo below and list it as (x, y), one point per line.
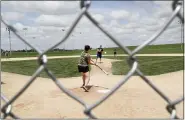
(99, 53)
(83, 64)
(115, 53)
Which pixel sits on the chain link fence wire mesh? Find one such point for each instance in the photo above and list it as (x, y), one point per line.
(6, 110)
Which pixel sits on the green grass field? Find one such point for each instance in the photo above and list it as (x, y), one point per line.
(67, 67)
(59, 67)
(150, 65)
(152, 49)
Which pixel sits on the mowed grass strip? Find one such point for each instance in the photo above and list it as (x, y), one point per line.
(150, 65)
(151, 49)
(67, 67)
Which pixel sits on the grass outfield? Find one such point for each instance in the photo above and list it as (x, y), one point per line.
(59, 67)
(149, 65)
(152, 49)
(67, 67)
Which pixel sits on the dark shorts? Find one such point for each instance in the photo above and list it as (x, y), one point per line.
(114, 52)
(99, 55)
(83, 69)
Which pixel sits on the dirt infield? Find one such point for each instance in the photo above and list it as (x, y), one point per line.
(135, 99)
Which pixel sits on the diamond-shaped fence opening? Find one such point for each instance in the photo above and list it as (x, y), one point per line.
(132, 61)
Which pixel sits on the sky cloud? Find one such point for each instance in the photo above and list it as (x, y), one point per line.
(131, 22)
(53, 20)
(134, 17)
(12, 16)
(120, 14)
(44, 7)
(148, 21)
(132, 25)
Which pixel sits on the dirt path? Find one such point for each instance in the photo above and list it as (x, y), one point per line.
(74, 56)
(135, 99)
(106, 65)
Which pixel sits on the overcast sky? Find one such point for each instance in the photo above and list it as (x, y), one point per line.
(131, 22)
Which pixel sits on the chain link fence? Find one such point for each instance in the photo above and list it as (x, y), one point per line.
(6, 110)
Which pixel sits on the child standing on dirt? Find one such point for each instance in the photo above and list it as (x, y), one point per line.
(84, 62)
